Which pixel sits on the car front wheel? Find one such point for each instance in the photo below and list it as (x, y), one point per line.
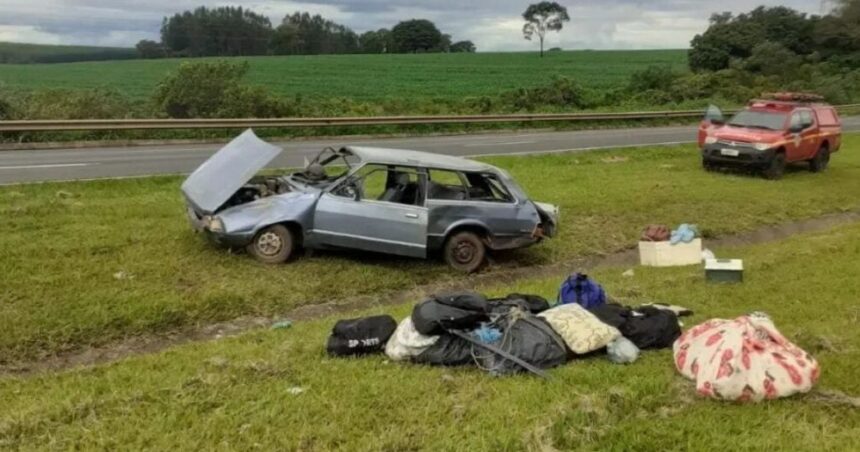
(272, 245)
(465, 251)
(776, 167)
(820, 161)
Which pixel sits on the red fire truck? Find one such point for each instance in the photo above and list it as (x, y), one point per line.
(770, 133)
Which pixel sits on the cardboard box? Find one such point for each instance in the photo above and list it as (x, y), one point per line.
(664, 254)
(724, 270)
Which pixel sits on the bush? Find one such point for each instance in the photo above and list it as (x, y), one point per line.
(653, 78)
(6, 109)
(214, 90)
(75, 104)
(561, 92)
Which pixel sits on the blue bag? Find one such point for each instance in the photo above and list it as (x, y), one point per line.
(578, 288)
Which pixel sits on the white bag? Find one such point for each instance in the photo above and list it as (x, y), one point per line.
(745, 359)
(581, 330)
(406, 342)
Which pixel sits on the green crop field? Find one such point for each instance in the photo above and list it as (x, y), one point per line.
(365, 77)
(16, 52)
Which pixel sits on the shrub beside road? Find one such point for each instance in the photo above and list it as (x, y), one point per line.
(87, 263)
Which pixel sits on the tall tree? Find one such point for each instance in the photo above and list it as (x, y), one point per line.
(148, 49)
(223, 31)
(303, 34)
(416, 35)
(463, 47)
(543, 17)
(378, 41)
(734, 37)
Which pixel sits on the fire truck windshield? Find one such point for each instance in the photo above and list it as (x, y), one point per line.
(759, 120)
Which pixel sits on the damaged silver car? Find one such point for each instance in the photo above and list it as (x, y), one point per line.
(384, 200)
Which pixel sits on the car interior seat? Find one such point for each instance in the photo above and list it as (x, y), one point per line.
(395, 192)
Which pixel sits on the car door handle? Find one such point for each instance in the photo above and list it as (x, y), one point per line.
(411, 215)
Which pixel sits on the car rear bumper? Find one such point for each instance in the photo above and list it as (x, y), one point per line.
(714, 155)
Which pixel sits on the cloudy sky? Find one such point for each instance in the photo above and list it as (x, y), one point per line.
(491, 24)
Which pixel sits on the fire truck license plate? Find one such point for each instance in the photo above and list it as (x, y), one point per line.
(729, 152)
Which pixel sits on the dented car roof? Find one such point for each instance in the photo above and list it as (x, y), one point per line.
(416, 158)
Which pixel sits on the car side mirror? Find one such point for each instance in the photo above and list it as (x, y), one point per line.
(796, 129)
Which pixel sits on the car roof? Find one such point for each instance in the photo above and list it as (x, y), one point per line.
(783, 106)
(416, 158)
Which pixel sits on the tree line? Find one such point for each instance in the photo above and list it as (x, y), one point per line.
(235, 31)
(773, 39)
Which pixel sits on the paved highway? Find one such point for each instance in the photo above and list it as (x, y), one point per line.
(94, 163)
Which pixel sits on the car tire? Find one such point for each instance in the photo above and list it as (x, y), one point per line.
(820, 161)
(776, 167)
(465, 252)
(272, 245)
(708, 166)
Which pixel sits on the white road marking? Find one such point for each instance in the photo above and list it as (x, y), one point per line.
(52, 165)
(509, 143)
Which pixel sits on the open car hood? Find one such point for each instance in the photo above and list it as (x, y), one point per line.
(218, 178)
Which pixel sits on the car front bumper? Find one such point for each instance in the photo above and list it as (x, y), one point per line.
(230, 240)
(715, 154)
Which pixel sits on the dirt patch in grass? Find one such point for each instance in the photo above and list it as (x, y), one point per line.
(151, 343)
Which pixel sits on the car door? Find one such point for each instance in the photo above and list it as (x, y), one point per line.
(461, 198)
(713, 119)
(793, 144)
(809, 135)
(360, 213)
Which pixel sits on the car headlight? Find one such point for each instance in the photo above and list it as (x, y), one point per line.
(762, 146)
(215, 224)
(710, 140)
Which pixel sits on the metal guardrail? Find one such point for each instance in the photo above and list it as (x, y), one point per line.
(139, 124)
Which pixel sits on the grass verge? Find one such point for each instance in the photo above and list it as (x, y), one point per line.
(85, 263)
(239, 393)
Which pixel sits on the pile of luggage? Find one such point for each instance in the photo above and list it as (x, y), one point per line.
(512, 334)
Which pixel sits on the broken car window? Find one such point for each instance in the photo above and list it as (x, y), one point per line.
(382, 183)
(443, 184)
(486, 187)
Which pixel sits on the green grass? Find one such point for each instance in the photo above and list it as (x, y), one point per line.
(235, 394)
(16, 52)
(365, 77)
(63, 243)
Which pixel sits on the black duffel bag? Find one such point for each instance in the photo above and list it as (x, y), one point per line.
(463, 311)
(360, 336)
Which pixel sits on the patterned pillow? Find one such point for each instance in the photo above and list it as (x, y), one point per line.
(580, 329)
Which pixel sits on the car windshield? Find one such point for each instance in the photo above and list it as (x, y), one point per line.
(759, 120)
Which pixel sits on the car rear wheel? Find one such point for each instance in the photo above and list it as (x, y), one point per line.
(776, 167)
(820, 161)
(272, 245)
(465, 251)
(708, 165)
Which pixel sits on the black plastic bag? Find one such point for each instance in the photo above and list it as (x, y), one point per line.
(448, 350)
(360, 336)
(646, 326)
